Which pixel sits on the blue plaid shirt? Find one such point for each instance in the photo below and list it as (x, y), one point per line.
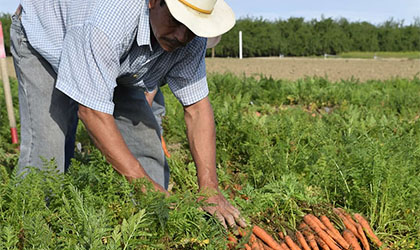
(93, 45)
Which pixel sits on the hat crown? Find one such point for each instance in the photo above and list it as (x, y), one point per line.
(203, 6)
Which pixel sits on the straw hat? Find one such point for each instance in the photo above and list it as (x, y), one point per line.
(205, 18)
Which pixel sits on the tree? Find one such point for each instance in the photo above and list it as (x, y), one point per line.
(6, 21)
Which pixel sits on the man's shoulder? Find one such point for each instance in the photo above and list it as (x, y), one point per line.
(118, 19)
(119, 12)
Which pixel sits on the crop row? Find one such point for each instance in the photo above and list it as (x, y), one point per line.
(284, 149)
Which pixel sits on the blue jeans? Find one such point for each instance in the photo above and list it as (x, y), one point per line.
(49, 118)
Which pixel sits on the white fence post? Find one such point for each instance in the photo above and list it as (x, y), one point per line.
(240, 44)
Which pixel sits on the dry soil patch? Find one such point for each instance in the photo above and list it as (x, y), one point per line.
(334, 69)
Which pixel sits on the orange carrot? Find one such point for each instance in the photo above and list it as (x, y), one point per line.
(320, 224)
(292, 245)
(351, 239)
(337, 236)
(243, 233)
(348, 216)
(165, 150)
(264, 236)
(253, 242)
(325, 228)
(303, 226)
(232, 241)
(309, 237)
(321, 233)
(281, 235)
(232, 238)
(247, 247)
(348, 224)
(252, 238)
(363, 238)
(354, 226)
(255, 246)
(284, 245)
(260, 244)
(329, 224)
(265, 246)
(302, 241)
(365, 225)
(322, 243)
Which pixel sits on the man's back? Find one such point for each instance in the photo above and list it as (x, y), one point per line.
(47, 22)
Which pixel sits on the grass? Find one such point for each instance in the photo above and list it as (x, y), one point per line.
(380, 54)
(284, 149)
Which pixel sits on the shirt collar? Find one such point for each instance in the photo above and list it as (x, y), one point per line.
(143, 32)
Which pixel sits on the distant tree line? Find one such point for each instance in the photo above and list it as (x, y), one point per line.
(297, 37)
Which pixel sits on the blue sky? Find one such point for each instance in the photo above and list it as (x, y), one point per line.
(373, 11)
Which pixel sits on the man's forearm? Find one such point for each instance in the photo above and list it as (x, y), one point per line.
(201, 134)
(106, 136)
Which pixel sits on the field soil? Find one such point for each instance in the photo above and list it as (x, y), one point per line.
(334, 69)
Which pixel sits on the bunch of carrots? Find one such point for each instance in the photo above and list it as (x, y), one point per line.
(316, 234)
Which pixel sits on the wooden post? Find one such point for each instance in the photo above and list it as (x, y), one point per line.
(212, 52)
(7, 92)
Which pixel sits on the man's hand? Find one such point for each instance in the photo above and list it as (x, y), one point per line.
(201, 134)
(227, 214)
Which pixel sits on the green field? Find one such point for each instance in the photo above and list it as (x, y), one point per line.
(284, 149)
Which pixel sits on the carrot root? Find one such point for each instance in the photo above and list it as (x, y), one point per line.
(363, 239)
(322, 243)
(281, 235)
(334, 233)
(351, 239)
(284, 246)
(165, 149)
(302, 241)
(338, 239)
(348, 224)
(309, 237)
(292, 245)
(317, 221)
(321, 233)
(265, 237)
(232, 241)
(365, 225)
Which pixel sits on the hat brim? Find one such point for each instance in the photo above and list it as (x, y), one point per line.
(213, 41)
(220, 21)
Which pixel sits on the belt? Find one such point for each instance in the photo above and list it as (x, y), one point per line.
(18, 12)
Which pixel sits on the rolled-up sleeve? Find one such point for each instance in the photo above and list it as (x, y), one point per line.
(187, 78)
(88, 68)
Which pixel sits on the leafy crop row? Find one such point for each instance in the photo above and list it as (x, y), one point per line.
(283, 149)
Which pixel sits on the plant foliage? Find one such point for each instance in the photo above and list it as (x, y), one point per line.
(283, 149)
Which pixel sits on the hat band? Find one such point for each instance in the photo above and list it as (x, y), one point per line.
(195, 7)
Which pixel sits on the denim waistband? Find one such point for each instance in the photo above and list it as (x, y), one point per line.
(16, 21)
